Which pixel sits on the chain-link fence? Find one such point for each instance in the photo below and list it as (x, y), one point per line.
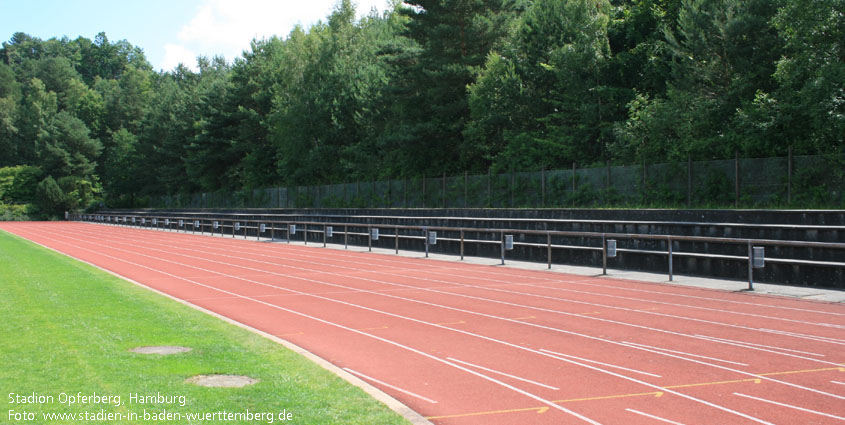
(796, 181)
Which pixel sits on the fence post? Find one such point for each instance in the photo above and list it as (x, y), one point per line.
(789, 177)
(689, 180)
(549, 249)
(466, 189)
(543, 186)
(645, 175)
(444, 189)
(736, 172)
(511, 189)
(489, 190)
(423, 192)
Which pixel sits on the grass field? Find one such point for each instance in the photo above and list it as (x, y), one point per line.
(67, 327)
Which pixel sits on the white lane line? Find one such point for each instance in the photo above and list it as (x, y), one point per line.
(525, 294)
(460, 331)
(762, 377)
(597, 362)
(814, 337)
(791, 406)
(696, 297)
(687, 306)
(370, 260)
(503, 374)
(481, 298)
(837, 382)
(327, 322)
(485, 315)
(370, 378)
(657, 418)
(686, 354)
(759, 347)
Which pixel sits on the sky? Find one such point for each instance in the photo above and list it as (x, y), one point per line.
(169, 31)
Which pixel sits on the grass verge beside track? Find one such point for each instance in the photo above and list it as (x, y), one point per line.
(67, 328)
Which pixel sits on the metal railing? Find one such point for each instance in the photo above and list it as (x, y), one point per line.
(286, 230)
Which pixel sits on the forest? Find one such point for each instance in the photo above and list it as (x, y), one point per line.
(428, 87)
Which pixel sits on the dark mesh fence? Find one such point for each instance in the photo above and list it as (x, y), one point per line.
(811, 182)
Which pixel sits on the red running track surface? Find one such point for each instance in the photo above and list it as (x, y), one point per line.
(471, 344)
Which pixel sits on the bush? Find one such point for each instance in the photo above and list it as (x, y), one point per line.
(14, 212)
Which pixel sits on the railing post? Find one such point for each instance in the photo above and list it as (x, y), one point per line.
(396, 241)
(549, 249)
(750, 268)
(345, 236)
(503, 248)
(369, 239)
(603, 254)
(669, 242)
(305, 232)
(462, 244)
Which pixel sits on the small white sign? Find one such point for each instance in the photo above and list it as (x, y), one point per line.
(432, 238)
(237, 226)
(329, 231)
(292, 229)
(759, 257)
(216, 225)
(262, 227)
(611, 248)
(374, 234)
(196, 223)
(508, 242)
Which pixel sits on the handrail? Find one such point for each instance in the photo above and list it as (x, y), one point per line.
(320, 227)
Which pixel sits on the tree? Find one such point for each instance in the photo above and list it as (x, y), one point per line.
(811, 74)
(454, 38)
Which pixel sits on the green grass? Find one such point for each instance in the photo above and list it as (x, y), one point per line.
(66, 327)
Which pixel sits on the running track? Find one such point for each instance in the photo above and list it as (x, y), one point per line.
(470, 344)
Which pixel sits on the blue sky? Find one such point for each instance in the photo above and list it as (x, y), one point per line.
(171, 31)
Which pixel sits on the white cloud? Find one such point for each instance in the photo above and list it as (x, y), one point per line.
(226, 27)
(176, 54)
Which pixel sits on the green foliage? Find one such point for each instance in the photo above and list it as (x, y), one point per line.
(430, 87)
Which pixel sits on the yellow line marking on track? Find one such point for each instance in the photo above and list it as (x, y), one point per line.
(655, 394)
(452, 323)
(827, 369)
(522, 318)
(372, 329)
(590, 313)
(755, 380)
(493, 412)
